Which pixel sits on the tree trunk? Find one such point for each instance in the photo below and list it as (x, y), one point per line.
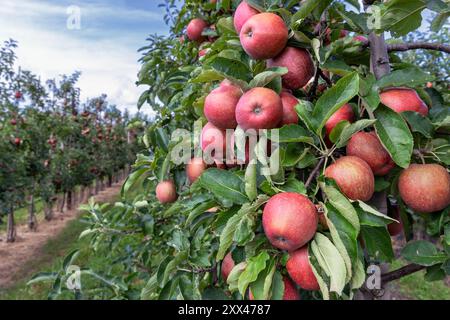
(69, 200)
(11, 228)
(32, 221)
(110, 181)
(97, 186)
(48, 211)
(63, 202)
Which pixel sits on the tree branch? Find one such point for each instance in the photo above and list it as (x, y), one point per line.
(418, 45)
(314, 172)
(324, 77)
(400, 273)
(379, 57)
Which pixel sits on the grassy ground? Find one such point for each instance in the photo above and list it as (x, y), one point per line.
(414, 287)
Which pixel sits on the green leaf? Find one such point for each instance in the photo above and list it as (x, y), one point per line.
(254, 266)
(337, 130)
(70, 258)
(333, 99)
(401, 16)
(264, 78)
(43, 277)
(208, 75)
(224, 184)
(261, 288)
(293, 185)
(213, 293)
(419, 123)
(408, 77)
(423, 253)
(231, 69)
(291, 133)
(353, 128)
(435, 273)
(277, 286)
(357, 21)
(331, 261)
(251, 188)
(306, 8)
(395, 135)
(342, 204)
(377, 242)
(439, 21)
(233, 277)
(244, 230)
(372, 211)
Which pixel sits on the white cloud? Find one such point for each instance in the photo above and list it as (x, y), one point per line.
(107, 60)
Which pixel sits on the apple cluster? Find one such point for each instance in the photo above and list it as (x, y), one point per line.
(290, 220)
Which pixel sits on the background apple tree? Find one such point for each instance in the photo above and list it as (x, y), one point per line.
(211, 243)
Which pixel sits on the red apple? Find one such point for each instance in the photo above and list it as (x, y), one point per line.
(289, 102)
(344, 113)
(18, 95)
(259, 108)
(242, 14)
(202, 53)
(220, 105)
(17, 141)
(367, 146)
(264, 36)
(289, 220)
(425, 187)
(299, 64)
(290, 291)
(353, 176)
(213, 141)
(360, 38)
(166, 192)
(300, 270)
(195, 29)
(195, 169)
(227, 266)
(13, 122)
(403, 99)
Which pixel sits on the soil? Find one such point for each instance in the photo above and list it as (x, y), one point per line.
(28, 246)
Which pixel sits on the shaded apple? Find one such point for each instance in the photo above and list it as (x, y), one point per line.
(403, 99)
(227, 266)
(299, 64)
(18, 95)
(425, 187)
(353, 176)
(166, 192)
(220, 105)
(264, 36)
(367, 146)
(395, 228)
(243, 12)
(345, 113)
(289, 220)
(290, 291)
(195, 169)
(289, 102)
(195, 29)
(259, 108)
(300, 270)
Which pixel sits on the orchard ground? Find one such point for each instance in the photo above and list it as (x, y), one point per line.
(35, 251)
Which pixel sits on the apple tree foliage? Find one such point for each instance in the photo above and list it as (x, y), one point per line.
(50, 142)
(175, 251)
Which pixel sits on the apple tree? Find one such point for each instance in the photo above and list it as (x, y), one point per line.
(362, 152)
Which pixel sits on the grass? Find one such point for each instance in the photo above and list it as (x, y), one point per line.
(21, 215)
(415, 287)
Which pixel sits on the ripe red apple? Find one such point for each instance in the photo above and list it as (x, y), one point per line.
(299, 64)
(289, 102)
(259, 108)
(367, 146)
(242, 14)
(18, 95)
(195, 168)
(403, 99)
(290, 291)
(13, 122)
(299, 269)
(202, 53)
(264, 36)
(166, 192)
(360, 38)
(289, 220)
(213, 141)
(353, 176)
(425, 187)
(195, 29)
(227, 266)
(395, 228)
(17, 141)
(429, 84)
(344, 113)
(220, 105)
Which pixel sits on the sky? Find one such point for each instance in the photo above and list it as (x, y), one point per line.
(102, 43)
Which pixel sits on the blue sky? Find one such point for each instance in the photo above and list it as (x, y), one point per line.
(104, 49)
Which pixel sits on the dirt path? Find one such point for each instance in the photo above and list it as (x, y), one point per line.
(13, 256)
